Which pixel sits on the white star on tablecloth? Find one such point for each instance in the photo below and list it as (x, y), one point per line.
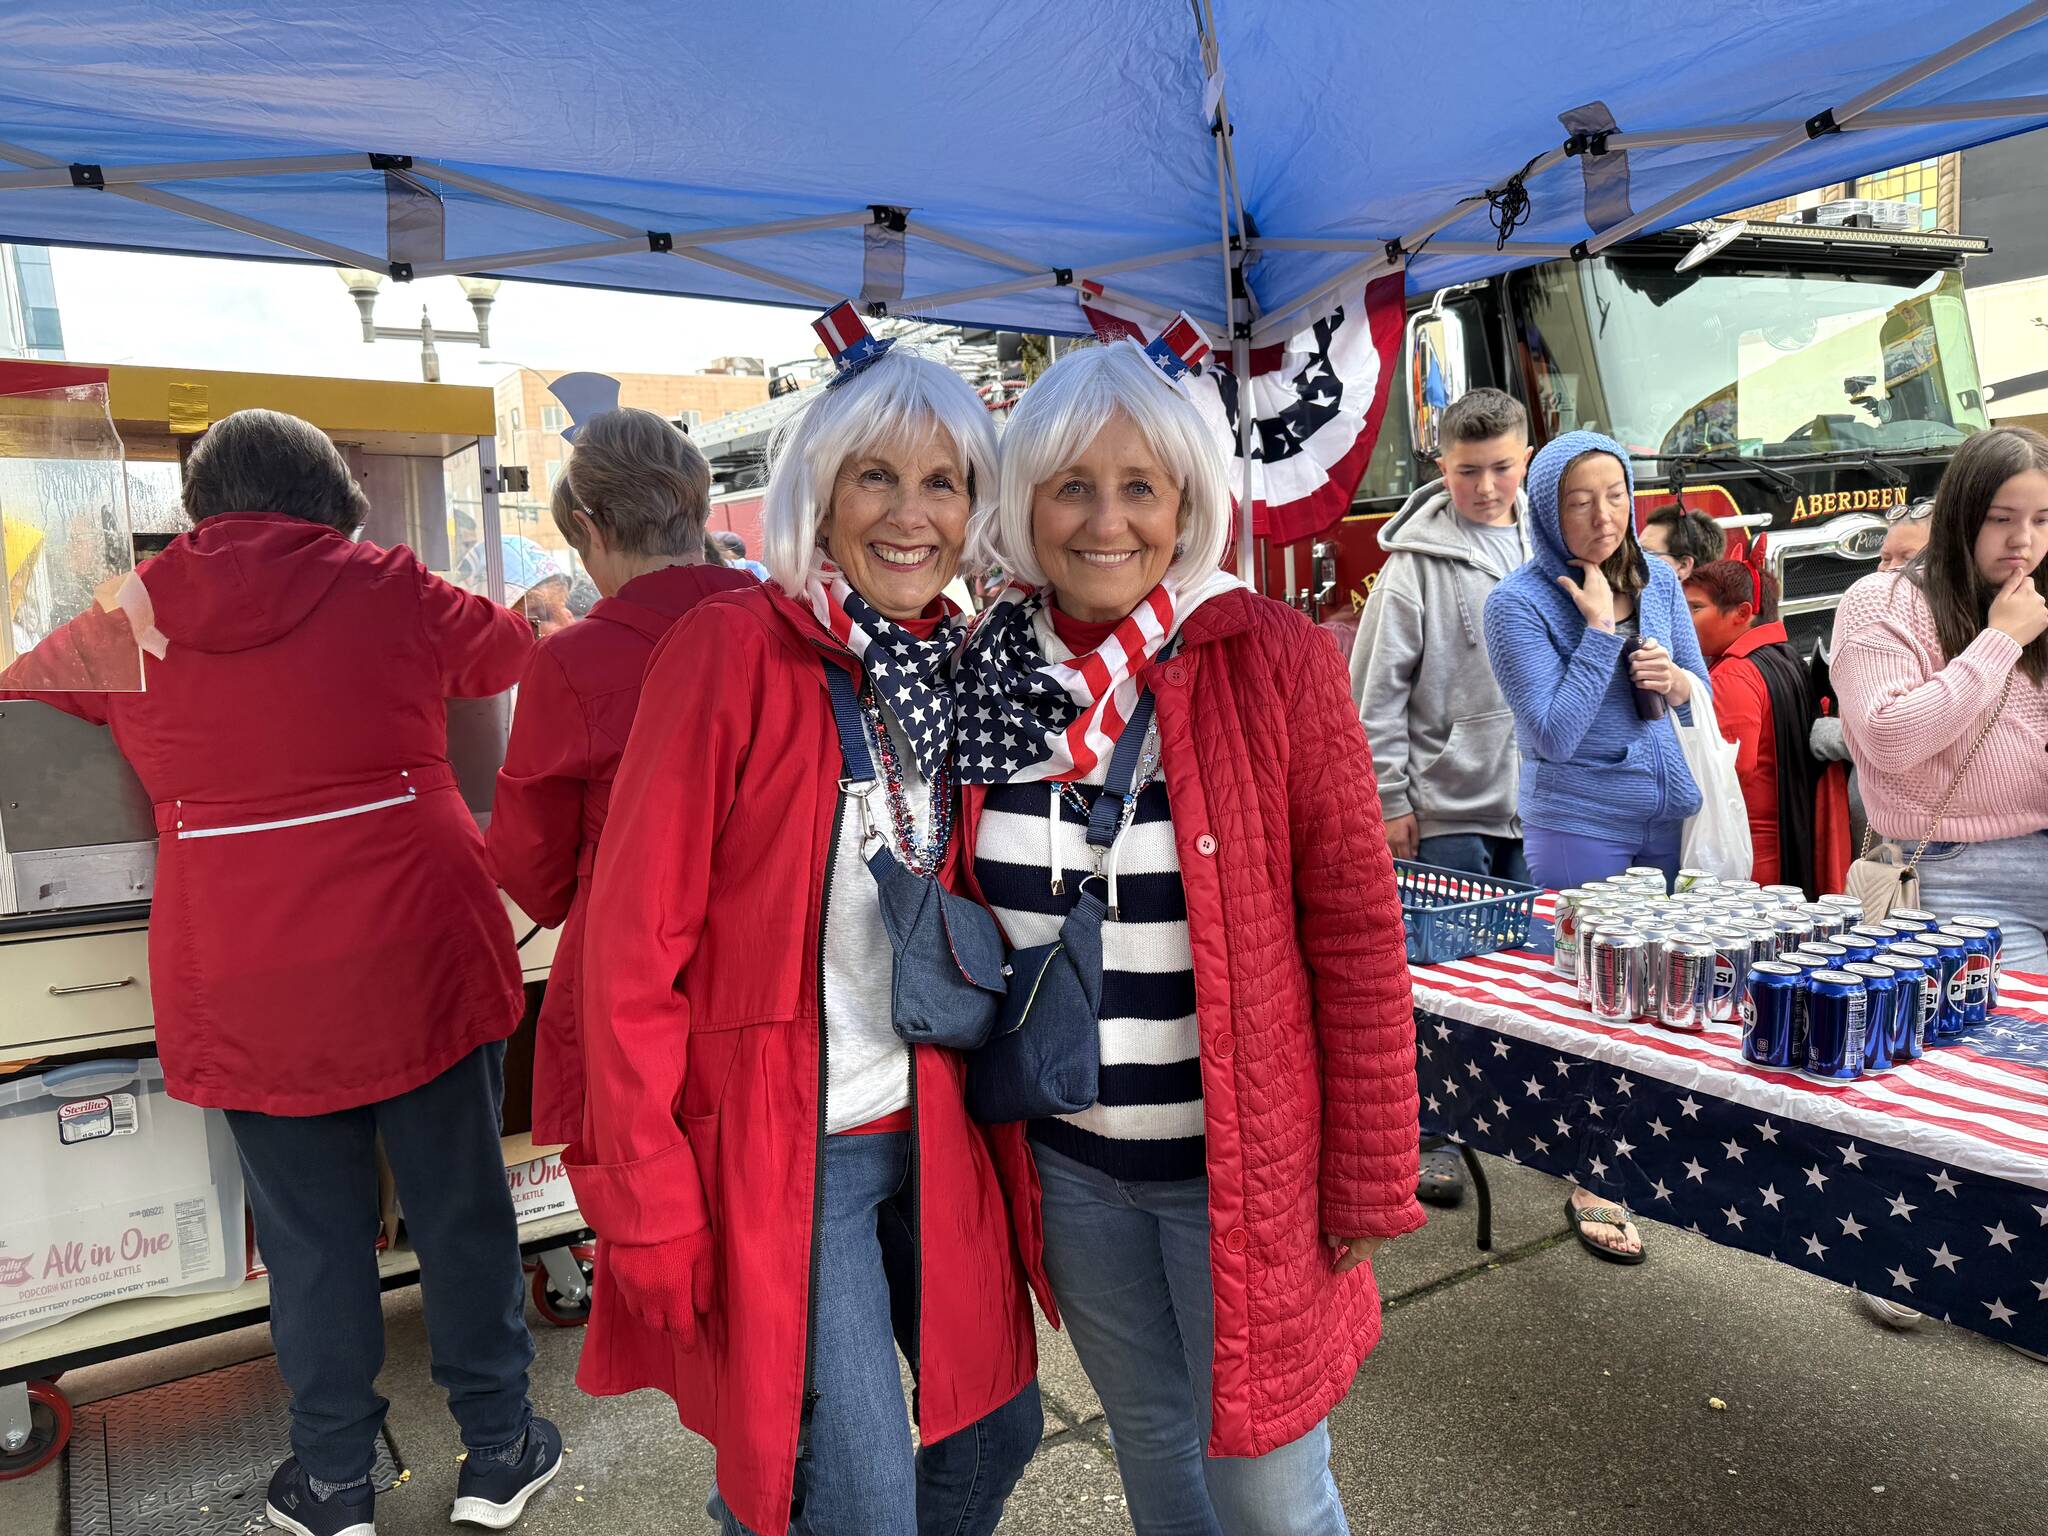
(1472, 1071)
(1431, 1100)
(1943, 1259)
(1902, 1208)
(1500, 1047)
(2000, 1238)
(1943, 1182)
(1851, 1227)
(1733, 1148)
(1595, 1108)
(1815, 1177)
(1500, 1107)
(1564, 1126)
(1443, 1031)
(1659, 1128)
(2000, 1312)
(1532, 1087)
(1735, 1217)
(1597, 1168)
(1695, 1171)
(1691, 1106)
(1623, 1086)
(1564, 1069)
(1851, 1156)
(1422, 1049)
(1660, 1189)
(1623, 1146)
(1539, 1143)
(1772, 1199)
(1901, 1279)
(1815, 1248)
(2042, 1212)
(1768, 1131)
(1484, 1125)
(2040, 1289)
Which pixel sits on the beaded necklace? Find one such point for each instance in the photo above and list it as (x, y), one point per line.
(1148, 770)
(919, 856)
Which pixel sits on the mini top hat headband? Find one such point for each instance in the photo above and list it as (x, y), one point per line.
(848, 341)
(1178, 350)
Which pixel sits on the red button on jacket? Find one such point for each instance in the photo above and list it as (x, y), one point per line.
(324, 934)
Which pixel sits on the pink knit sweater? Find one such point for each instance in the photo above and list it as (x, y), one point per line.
(1910, 720)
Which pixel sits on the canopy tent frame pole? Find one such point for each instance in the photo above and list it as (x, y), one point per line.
(1822, 124)
(1048, 278)
(62, 176)
(1876, 118)
(1436, 248)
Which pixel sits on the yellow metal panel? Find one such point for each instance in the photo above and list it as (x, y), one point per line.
(336, 406)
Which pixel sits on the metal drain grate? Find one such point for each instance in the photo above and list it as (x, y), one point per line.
(190, 1458)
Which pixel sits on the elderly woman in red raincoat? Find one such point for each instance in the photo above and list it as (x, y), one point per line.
(785, 1188)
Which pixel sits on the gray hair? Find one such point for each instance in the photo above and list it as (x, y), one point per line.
(641, 480)
(266, 461)
(902, 394)
(1061, 414)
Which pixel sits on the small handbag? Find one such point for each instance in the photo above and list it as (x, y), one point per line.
(947, 981)
(1045, 1058)
(1876, 879)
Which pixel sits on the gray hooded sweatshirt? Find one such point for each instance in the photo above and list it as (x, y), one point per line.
(1443, 738)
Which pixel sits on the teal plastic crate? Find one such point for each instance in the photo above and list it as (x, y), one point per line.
(1451, 915)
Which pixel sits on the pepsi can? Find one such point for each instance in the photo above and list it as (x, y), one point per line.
(1786, 895)
(1921, 921)
(1834, 954)
(1846, 904)
(1827, 921)
(1915, 1005)
(1990, 926)
(1976, 972)
(1619, 961)
(1860, 946)
(1880, 1014)
(1735, 951)
(1685, 984)
(1876, 934)
(1767, 1012)
(1806, 968)
(1947, 975)
(1900, 928)
(1793, 929)
(1836, 1006)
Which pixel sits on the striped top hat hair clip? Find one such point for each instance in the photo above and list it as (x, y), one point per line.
(1178, 350)
(848, 341)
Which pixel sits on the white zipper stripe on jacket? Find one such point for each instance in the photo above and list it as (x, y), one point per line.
(296, 821)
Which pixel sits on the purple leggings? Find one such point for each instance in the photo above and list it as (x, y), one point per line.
(1560, 860)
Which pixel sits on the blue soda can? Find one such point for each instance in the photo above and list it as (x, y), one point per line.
(1767, 1014)
(1900, 928)
(1916, 1002)
(1821, 949)
(1947, 979)
(1872, 933)
(1794, 929)
(1860, 948)
(1806, 966)
(1880, 1014)
(1837, 1005)
(1977, 953)
(1990, 926)
(1921, 921)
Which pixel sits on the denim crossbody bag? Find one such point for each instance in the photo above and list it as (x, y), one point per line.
(1046, 1056)
(948, 979)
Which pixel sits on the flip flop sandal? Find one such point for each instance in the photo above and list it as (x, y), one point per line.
(1442, 1180)
(1601, 1215)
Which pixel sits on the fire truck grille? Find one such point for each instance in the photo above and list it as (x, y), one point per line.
(1808, 577)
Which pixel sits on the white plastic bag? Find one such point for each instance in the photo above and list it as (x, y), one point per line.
(1717, 838)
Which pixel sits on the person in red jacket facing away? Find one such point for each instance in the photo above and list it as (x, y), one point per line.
(785, 1189)
(632, 504)
(1764, 699)
(1208, 1223)
(329, 961)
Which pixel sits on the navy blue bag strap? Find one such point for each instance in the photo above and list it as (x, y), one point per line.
(853, 741)
(1105, 817)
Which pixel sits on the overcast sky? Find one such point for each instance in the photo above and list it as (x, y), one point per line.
(194, 312)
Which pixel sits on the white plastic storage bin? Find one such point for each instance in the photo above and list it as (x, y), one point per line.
(113, 1190)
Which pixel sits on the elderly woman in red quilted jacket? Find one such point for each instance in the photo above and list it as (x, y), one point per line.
(1207, 1222)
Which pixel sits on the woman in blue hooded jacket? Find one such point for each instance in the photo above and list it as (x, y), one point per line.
(1602, 788)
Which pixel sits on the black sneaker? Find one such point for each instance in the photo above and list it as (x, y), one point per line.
(493, 1494)
(291, 1506)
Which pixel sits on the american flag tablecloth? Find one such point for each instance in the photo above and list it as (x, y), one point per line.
(1927, 1185)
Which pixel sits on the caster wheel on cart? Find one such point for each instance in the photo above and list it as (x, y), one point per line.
(554, 1301)
(49, 1432)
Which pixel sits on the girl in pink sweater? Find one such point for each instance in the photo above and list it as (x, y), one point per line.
(1925, 656)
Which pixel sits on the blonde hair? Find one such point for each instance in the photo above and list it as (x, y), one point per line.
(902, 394)
(1061, 414)
(641, 480)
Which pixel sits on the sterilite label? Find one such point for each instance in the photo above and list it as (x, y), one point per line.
(64, 1264)
(111, 1114)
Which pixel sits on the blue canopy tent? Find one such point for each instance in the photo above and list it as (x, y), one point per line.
(972, 162)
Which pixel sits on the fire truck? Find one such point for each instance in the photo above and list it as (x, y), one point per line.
(1803, 378)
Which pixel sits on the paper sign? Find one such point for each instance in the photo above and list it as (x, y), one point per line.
(540, 1188)
(63, 1264)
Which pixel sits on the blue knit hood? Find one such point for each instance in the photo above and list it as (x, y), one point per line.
(1546, 538)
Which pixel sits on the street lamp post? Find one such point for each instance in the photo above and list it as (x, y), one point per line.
(482, 292)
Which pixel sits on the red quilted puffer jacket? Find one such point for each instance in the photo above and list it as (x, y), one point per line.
(1303, 1004)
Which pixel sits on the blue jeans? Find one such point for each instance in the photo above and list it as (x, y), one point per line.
(1473, 853)
(312, 1183)
(1129, 1264)
(2006, 879)
(856, 1474)
(1560, 860)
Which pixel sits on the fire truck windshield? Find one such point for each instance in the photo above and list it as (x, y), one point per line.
(1751, 357)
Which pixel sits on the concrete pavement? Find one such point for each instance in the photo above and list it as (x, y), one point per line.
(1533, 1392)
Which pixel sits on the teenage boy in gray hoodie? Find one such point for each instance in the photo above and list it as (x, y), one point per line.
(1443, 738)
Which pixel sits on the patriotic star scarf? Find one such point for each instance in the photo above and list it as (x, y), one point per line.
(1025, 719)
(912, 677)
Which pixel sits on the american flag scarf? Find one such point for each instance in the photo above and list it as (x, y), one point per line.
(1024, 719)
(912, 677)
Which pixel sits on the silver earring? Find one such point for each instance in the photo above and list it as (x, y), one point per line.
(1179, 549)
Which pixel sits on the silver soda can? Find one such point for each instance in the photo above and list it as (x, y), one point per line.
(1786, 895)
(1793, 929)
(1922, 921)
(1618, 971)
(1735, 951)
(1564, 958)
(1646, 875)
(1593, 917)
(1827, 921)
(1694, 880)
(1685, 984)
(1846, 903)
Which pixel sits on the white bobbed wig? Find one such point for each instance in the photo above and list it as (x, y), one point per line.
(901, 396)
(1059, 417)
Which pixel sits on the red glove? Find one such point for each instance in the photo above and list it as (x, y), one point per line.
(667, 1286)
